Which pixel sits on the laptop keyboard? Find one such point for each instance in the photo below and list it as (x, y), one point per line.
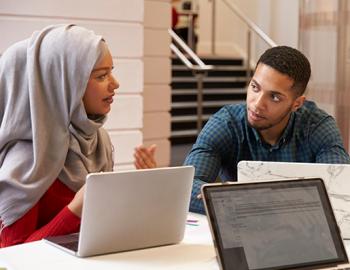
(69, 241)
(70, 245)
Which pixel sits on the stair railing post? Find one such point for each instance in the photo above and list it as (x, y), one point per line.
(190, 31)
(249, 41)
(199, 70)
(200, 76)
(213, 22)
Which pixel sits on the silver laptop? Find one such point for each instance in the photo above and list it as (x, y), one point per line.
(270, 225)
(335, 176)
(131, 210)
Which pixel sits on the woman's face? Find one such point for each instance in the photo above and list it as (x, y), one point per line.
(99, 92)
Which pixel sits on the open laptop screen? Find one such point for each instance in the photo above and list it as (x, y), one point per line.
(274, 225)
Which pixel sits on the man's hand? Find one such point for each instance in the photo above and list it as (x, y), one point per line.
(144, 157)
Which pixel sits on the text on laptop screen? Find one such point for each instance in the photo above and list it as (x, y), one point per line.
(274, 225)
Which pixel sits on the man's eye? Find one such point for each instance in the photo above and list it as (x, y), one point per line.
(275, 98)
(254, 87)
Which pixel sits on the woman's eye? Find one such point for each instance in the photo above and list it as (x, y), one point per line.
(102, 77)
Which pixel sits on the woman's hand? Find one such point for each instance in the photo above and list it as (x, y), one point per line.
(145, 157)
(76, 205)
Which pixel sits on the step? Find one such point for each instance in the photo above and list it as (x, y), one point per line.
(211, 73)
(209, 91)
(188, 118)
(210, 84)
(188, 122)
(176, 105)
(209, 79)
(213, 97)
(183, 133)
(233, 68)
(193, 110)
(214, 61)
(185, 125)
(191, 139)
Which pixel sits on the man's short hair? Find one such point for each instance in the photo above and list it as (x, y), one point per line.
(291, 62)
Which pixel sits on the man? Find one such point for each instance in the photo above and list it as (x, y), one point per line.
(275, 124)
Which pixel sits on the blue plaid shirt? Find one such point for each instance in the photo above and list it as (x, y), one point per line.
(310, 136)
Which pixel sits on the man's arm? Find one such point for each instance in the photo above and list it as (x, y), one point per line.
(207, 166)
(327, 144)
(214, 145)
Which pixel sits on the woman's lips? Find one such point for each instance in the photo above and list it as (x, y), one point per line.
(109, 99)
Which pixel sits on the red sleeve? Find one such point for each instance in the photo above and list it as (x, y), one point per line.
(65, 222)
(49, 217)
(23, 230)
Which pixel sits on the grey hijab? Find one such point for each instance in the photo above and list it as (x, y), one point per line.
(45, 132)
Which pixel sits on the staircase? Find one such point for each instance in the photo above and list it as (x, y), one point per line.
(226, 84)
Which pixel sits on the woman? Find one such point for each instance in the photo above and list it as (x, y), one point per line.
(55, 91)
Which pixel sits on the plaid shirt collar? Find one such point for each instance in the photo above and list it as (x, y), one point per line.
(287, 133)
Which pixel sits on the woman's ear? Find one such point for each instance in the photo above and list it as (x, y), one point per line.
(298, 102)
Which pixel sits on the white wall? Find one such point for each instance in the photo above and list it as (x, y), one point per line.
(156, 122)
(278, 18)
(131, 42)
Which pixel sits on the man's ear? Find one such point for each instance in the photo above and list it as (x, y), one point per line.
(298, 102)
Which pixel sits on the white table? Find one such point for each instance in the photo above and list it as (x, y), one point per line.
(196, 251)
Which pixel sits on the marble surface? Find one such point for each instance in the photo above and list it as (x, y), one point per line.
(335, 176)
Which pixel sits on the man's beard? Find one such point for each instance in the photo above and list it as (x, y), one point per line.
(269, 125)
(260, 128)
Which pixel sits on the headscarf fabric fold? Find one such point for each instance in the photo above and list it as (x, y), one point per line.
(45, 132)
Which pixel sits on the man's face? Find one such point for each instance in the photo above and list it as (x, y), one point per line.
(270, 99)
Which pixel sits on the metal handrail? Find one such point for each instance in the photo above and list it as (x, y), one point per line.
(191, 15)
(198, 68)
(251, 27)
(251, 24)
(199, 63)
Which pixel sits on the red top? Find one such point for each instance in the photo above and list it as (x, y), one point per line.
(49, 217)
